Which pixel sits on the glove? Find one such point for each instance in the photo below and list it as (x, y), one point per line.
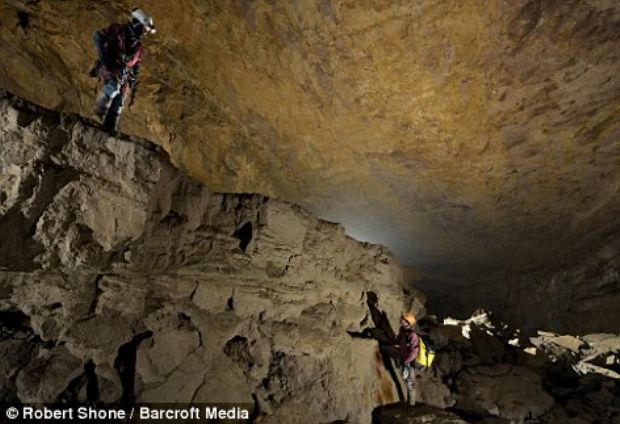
(94, 71)
(406, 372)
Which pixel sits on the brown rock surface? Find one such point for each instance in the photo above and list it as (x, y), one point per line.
(397, 414)
(514, 393)
(123, 274)
(468, 137)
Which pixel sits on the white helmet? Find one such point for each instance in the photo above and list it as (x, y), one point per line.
(143, 18)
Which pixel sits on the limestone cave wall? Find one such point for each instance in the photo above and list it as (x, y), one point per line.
(122, 279)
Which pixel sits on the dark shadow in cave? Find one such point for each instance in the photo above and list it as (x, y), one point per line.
(383, 333)
(23, 20)
(125, 365)
(244, 234)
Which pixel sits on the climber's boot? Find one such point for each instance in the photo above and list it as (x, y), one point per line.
(101, 106)
(410, 396)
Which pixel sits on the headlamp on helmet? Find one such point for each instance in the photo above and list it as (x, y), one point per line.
(141, 17)
(409, 317)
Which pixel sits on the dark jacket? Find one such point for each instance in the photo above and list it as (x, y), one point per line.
(408, 344)
(119, 52)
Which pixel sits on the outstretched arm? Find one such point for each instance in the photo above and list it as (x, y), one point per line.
(413, 350)
(134, 65)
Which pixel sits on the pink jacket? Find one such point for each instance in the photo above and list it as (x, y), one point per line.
(408, 345)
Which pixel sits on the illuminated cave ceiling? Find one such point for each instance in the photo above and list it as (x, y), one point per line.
(467, 136)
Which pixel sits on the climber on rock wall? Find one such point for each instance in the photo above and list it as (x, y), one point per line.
(404, 351)
(119, 53)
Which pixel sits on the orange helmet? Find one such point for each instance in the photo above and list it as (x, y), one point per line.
(409, 317)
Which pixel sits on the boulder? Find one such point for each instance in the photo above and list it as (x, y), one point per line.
(48, 375)
(511, 392)
(420, 414)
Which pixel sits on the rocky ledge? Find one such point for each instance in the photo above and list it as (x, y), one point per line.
(122, 279)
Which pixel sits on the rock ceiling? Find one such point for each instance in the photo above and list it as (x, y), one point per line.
(467, 136)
